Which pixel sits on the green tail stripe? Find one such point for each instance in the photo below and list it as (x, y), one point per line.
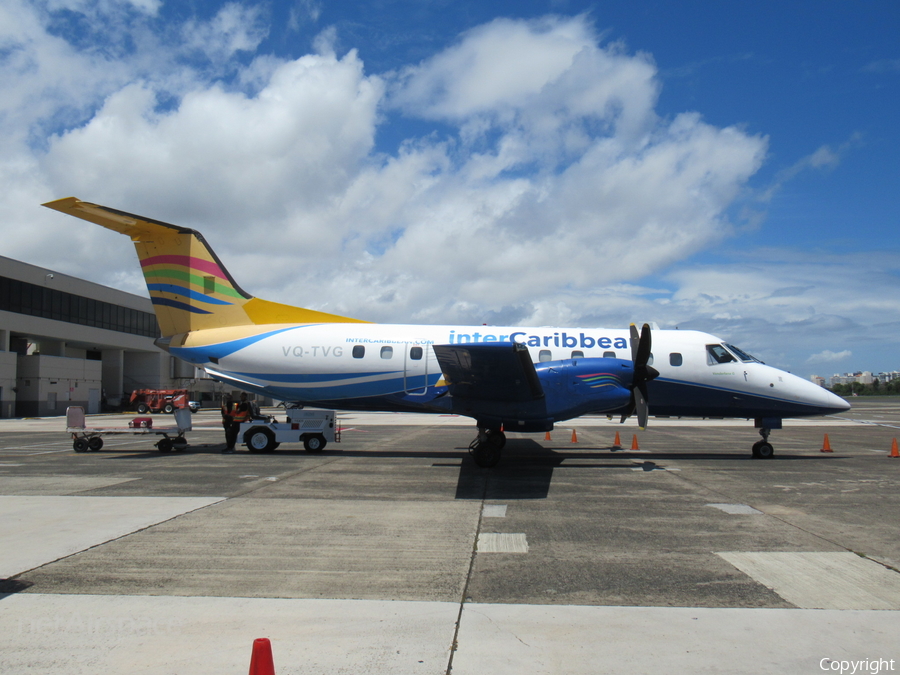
(193, 279)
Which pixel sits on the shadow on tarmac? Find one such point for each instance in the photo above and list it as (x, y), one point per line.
(525, 472)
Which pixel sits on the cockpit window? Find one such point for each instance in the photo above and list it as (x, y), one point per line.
(742, 355)
(718, 354)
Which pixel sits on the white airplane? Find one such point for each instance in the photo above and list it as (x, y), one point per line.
(506, 378)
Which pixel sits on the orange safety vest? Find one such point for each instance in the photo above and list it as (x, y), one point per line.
(241, 415)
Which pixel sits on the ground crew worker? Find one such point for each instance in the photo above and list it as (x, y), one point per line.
(231, 429)
(243, 411)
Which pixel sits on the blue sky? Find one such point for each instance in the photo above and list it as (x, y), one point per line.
(728, 167)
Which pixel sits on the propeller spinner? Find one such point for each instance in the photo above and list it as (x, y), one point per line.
(643, 373)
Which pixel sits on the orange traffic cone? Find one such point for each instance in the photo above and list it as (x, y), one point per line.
(261, 662)
(634, 443)
(617, 444)
(894, 451)
(547, 436)
(826, 446)
(574, 436)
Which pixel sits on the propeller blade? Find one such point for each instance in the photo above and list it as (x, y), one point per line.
(643, 410)
(643, 350)
(635, 339)
(641, 347)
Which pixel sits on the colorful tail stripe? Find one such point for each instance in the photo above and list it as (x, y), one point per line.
(168, 302)
(190, 262)
(192, 281)
(193, 295)
(206, 283)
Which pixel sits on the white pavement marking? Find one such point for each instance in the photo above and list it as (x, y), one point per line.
(494, 511)
(737, 509)
(39, 530)
(826, 580)
(502, 542)
(538, 640)
(107, 635)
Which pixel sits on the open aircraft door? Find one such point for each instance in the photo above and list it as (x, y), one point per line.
(418, 362)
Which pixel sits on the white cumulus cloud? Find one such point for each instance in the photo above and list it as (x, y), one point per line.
(828, 356)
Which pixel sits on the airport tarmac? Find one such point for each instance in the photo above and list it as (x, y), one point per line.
(392, 552)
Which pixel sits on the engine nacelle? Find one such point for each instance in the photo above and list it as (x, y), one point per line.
(576, 387)
(571, 388)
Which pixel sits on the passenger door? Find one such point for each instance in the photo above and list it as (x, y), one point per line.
(418, 361)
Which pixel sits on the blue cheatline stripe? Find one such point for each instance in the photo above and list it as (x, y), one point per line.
(178, 305)
(181, 290)
(336, 391)
(759, 395)
(314, 377)
(793, 408)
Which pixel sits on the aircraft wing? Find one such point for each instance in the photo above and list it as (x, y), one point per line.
(501, 371)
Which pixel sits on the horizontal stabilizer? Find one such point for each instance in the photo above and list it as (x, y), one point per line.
(501, 371)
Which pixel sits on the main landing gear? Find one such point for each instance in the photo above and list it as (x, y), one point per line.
(486, 447)
(763, 449)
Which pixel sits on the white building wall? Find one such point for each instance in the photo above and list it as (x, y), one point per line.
(49, 384)
(8, 363)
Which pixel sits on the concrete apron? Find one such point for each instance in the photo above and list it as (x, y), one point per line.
(159, 634)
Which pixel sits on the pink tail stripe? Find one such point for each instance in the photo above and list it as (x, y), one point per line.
(190, 262)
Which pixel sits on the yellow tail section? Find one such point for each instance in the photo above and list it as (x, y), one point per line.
(189, 287)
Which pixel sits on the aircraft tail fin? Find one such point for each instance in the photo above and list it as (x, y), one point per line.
(189, 286)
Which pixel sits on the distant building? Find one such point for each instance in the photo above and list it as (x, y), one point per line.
(66, 341)
(861, 377)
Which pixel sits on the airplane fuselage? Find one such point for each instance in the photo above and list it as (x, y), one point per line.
(505, 378)
(393, 367)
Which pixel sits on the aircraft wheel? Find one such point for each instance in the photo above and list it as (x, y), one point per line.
(179, 443)
(314, 443)
(95, 443)
(487, 446)
(486, 455)
(260, 439)
(80, 445)
(165, 444)
(763, 450)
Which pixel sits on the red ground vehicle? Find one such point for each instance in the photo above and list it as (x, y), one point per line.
(159, 400)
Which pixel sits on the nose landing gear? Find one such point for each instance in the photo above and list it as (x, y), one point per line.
(763, 449)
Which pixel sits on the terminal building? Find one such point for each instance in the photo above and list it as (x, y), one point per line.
(66, 341)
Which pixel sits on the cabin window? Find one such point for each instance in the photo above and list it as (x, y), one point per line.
(609, 355)
(359, 351)
(387, 352)
(415, 353)
(544, 355)
(716, 354)
(577, 354)
(675, 359)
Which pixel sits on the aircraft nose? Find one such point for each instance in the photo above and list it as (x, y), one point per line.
(829, 403)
